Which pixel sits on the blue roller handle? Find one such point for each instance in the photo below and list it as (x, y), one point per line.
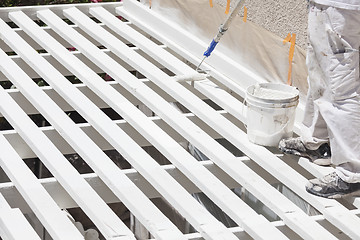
(223, 28)
(210, 48)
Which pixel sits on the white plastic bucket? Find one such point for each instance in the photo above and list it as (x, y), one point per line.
(270, 112)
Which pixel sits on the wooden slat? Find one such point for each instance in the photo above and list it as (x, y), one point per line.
(315, 170)
(44, 207)
(275, 166)
(148, 167)
(11, 220)
(56, 8)
(188, 165)
(287, 210)
(103, 217)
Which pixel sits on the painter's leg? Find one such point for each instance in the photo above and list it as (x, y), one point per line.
(342, 114)
(333, 64)
(314, 137)
(341, 110)
(339, 105)
(314, 131)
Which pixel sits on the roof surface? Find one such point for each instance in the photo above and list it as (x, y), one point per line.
(141, 52)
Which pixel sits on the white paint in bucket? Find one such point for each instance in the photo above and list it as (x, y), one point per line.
(270, 112)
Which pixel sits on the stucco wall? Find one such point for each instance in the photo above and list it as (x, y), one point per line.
(279, 16)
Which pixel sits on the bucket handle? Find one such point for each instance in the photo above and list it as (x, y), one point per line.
(242, 112)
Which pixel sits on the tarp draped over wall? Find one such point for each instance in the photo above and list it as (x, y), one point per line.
(247, 43)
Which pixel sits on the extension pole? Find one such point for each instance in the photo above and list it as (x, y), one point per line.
(222, 29)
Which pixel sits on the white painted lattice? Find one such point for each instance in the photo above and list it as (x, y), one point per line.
(156, 50)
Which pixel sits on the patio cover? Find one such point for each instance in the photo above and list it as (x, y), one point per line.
(145, 43)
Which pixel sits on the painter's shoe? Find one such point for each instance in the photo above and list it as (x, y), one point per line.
(295, 146)
(331, 186)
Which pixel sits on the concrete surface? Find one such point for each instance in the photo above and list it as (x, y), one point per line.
(279, 17)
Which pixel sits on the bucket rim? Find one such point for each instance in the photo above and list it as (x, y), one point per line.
(274, 86)
(270, 105)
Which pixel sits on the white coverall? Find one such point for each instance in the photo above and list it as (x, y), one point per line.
(332, 111)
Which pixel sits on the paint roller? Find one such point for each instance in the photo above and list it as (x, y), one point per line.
(222, 29)
(197, 76)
